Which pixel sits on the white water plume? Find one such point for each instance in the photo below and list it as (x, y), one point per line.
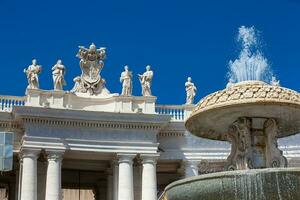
(251, 64)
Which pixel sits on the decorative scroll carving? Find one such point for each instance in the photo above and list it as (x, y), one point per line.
(253, 148)
(274, 157)
(239, 135)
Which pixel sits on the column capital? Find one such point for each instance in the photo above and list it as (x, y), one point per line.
(149, 158)
(54, 155)
(124, 157)
(29, 153)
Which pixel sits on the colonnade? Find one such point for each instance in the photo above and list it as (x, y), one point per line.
(119, 180)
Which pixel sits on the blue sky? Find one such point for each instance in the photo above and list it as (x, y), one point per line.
(177, 38)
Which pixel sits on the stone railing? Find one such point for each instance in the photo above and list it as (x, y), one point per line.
(8, 102)
(178, 112)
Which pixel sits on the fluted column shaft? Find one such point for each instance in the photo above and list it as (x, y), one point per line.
(125, 191)
(53, 182)
(29, 174)
(149, 182)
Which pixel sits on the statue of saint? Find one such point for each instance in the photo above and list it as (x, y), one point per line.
(32, 73)
(146, 80)
(190, 91)
(58, 73)
(91, 64)
(230, 83)
(275, 82)
(126, 80)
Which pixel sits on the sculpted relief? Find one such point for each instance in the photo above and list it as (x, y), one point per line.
(91, 63)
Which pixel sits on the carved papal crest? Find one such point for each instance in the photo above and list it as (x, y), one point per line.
(91, 64)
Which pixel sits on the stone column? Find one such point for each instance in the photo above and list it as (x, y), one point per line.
(190, 168)
(137, 179)
(125, 191)
(115, 171)
(149, 182)
(41, 178)
(29, 174)
(109, 184)
(18, 178)
(53, 182)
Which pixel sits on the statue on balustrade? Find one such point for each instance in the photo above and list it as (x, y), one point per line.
(91, 64)
(58, 73)
(274, 81)
(126, 80)
(32, 73)
(146, 80)
(191, 90)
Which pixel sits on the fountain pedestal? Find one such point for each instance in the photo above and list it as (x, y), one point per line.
(254, 144)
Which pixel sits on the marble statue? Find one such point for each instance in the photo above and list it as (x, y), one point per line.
(126, 80)
(275, 82)
(190, 91)
(91, 64)
(230, 83)
(146, 80)
(32, 73)
(77, 85)
(58, 72)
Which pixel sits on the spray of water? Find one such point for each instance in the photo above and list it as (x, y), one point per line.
(251, 64)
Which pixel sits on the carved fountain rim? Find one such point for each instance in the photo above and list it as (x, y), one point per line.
(250, 95)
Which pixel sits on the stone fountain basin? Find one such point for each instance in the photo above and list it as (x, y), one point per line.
(256, 184)
(216, 112)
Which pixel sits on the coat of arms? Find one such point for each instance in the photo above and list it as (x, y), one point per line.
(91, 64)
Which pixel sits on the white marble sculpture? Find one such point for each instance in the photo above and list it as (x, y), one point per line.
(275, 82)
(190, 91)
(230, 83)
(146, 80)
(91, 64)
(58, 73)
(126, 80)
(32, 73)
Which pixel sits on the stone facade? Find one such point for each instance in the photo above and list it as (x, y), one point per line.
(105, 146)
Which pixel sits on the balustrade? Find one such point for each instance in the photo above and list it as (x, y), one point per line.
(8, 102)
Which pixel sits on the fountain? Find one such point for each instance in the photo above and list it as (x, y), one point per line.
(251, 114)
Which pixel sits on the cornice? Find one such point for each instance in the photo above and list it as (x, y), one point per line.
(92, 124)
(91, 119)
(171, 133)
(10, 125)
